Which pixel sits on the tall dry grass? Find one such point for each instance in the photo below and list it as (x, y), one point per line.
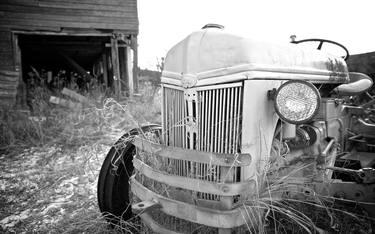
(86, 130)
(78, 139)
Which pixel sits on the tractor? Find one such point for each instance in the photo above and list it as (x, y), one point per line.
(244, 121)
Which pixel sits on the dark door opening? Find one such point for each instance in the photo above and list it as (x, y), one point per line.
(62, 61)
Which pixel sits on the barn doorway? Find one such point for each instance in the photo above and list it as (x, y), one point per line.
(80, 63)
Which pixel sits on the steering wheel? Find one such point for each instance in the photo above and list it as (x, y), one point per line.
(321, 41)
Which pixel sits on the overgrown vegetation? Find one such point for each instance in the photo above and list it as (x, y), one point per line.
(50, 162)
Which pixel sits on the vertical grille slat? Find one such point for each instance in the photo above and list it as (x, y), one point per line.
(220, 121)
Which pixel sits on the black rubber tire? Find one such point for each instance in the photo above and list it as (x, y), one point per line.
(113, 184)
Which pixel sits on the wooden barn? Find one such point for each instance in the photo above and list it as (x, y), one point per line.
(94, 38)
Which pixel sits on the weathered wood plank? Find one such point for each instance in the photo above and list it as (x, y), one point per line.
(8, 86)
(76, 96)
(93, 2)
(64, 18)
(21, 2)
(7, 101)
(128, 3)
(135, 62)
(67, 12)
(6, 51)
(5, 35)
(8, 73)
(6, 62)
(105, 69)
(115, 66)
(8, 83)
(55, 25)
(10, 26)
(65, 103)
(76, 5)
(8, 93)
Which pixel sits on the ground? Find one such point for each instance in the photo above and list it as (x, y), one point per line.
(50, 159)
(51, 189)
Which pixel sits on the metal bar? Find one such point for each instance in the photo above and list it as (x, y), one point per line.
(236, 120)
(179, 117)
(147, 219)
(192, 155)
(115, 66)
(221, 86)
(201, 215)
(230, 119)
(220, 112)
(215, 123)
(328, 147)
(212, 123)
(207, 120)
(227, 121)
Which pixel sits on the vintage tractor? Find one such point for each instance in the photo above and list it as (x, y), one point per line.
(243, 122)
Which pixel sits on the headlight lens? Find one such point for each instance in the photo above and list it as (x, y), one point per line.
(297, 101)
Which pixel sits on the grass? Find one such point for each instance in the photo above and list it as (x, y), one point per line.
(50, 163)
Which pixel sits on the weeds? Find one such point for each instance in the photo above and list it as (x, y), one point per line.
(50, 160)
(56, 156)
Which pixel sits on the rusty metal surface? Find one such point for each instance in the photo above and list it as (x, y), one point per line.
(147, 219)
(219, 159)
(212, 56)
(201, 215)
(222, 189)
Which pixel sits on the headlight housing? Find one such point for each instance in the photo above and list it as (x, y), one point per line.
(297, 102)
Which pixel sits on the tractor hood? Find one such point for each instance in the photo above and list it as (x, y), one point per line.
(212, 56)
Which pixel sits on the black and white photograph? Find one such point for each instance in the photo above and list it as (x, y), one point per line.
(187, 116)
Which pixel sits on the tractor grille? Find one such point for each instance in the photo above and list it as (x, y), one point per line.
(203, 119)
(206, 119)
(219, 119)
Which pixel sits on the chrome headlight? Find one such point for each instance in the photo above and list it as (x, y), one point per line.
(297, 102)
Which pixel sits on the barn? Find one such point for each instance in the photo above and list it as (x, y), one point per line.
(94, 38)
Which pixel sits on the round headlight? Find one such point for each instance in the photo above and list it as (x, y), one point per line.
(297, 102)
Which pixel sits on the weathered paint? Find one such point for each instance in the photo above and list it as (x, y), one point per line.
(212, 56)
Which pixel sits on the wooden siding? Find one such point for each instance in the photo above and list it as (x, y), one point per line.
(6, 50)
(8, 78)
(8, 87)
(54, 15)
(62, 17)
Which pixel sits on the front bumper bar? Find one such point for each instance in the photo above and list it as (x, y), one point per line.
(223, 218)
(201, 215)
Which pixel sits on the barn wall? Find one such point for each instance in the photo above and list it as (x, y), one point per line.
(56, 16)
(8, 75)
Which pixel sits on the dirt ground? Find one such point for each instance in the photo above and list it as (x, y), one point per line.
(49, 166)
(50, 161)
(51, 190)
